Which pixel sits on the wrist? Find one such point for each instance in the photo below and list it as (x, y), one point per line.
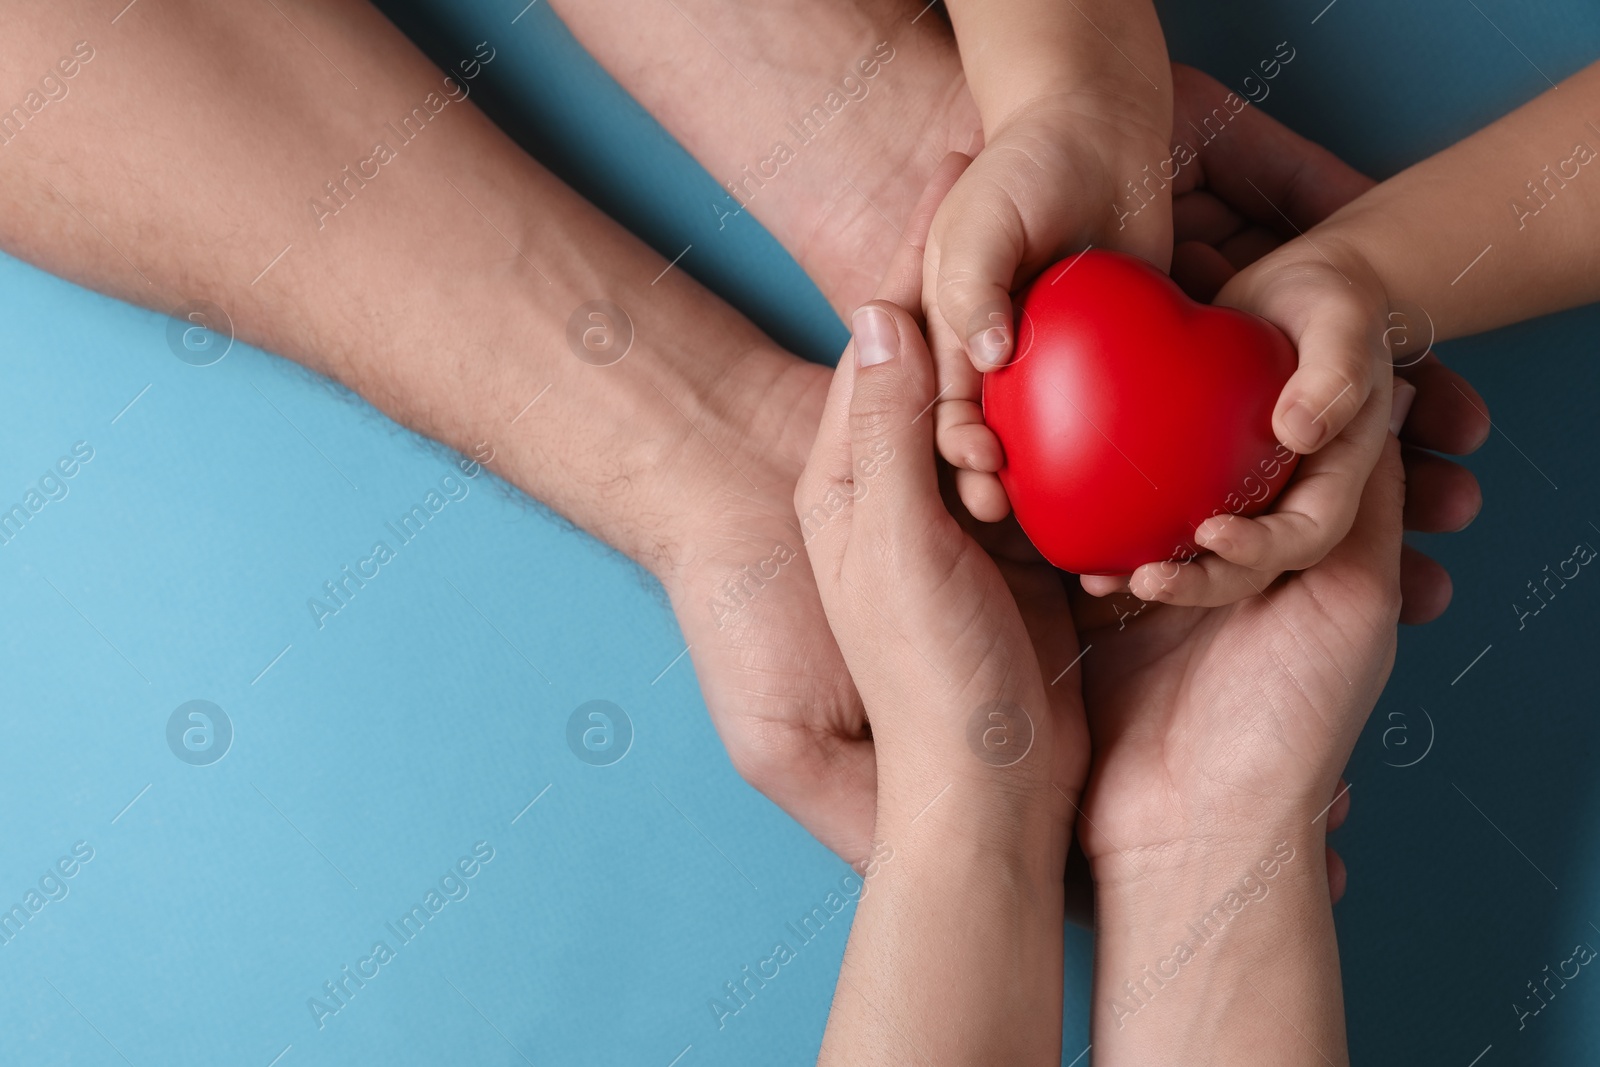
(1205, 842)
(965, 811)
(1249, 925)
(1108, 50)
(726, 503)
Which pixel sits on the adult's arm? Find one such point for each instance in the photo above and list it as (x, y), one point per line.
(955, 947)
(301, 165)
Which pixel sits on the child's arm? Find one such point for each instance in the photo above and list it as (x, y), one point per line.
(1075, 100)
(1500, 227)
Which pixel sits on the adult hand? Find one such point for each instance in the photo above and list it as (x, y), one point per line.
(772, 675)
(979, 762)
(1219, 735)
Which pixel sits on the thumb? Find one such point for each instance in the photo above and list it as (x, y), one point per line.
(980, 238)
(1335, 319)
(893, 483)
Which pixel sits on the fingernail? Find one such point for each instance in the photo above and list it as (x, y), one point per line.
(1305, 426)
(989, 345)
(1211, 535)
(1404, 394)
(877, 340)
(1471, 520)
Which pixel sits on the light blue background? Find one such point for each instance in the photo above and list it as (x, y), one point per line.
(377, 751)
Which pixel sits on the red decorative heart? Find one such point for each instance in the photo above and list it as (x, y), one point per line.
(1131, 414)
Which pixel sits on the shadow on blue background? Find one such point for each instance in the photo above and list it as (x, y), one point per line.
(429, 718)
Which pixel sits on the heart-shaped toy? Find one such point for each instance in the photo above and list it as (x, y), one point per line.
(1131, 414)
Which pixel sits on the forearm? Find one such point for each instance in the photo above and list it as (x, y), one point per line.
(1219, 956)
(823, 119)
(1016, 52)
(1500, 227)
(217, 154)
(955, 954)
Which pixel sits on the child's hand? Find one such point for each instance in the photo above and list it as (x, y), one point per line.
(1337, 410)
(1046, 183)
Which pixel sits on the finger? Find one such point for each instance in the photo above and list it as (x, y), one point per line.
(1201, 216)
(1313, 514)
(1261, 168)
(824, 526)
(965, 440)
(1104, 584)
(1249, 244)
(1200, 270)
(1339, 810)
(894, 485)
(1448, 415)
(982, 495)
(902, 281)
(1425, 587)
(1441, 496)
(1244, 555)
(1341, 350)
(1365, 566)
(828, 470)
(1090, 612)
(1338, 876)
(980, 246)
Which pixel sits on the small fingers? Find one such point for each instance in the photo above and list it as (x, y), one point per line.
(1104, 584)
(964, 439)
(1339, 356)
(1317, 510)
(982, 495)
(981, 240)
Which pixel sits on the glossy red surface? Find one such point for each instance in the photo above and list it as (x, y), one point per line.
(1131, 414)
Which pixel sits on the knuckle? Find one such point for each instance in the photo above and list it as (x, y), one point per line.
(764, 755)
(875, 414)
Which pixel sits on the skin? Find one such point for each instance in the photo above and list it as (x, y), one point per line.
(933, 630)
(685, 454)
(641, 456)
(1073, 100)
(837, 208)
(1392, 265)
(1216, 733)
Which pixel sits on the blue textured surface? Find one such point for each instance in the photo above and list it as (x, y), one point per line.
(371, 755)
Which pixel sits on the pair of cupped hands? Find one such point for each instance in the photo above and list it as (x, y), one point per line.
(1215, 694)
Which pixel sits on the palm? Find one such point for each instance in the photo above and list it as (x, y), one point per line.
(771, 674)
(1248, 709)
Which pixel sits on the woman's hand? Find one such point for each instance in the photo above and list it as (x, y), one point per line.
(955, 952)
(929, 627)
